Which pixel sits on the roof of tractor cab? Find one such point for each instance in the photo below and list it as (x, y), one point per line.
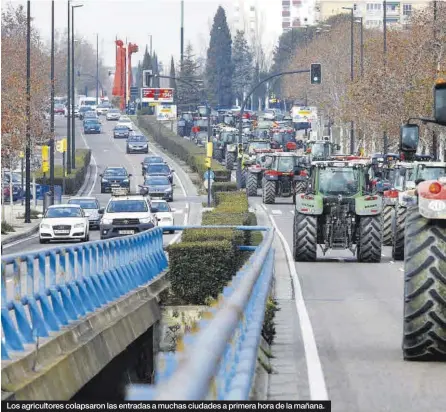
(287, 154)
(431, 164)
(339, 163)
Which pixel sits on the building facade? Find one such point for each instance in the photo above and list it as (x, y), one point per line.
(298, 13)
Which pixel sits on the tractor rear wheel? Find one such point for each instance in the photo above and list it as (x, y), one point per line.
(243, 176)
(269, 192)
(218, 155)
(229, 160)
(300, 187)
(424, 329)
(398, 233)
(388, 215)
(251, 184)
(304, 238)
(370, 239)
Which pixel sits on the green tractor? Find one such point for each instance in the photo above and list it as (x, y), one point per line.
(320, 150)
(285, 177)
(226, 147)
(337, 212)
(424, 327)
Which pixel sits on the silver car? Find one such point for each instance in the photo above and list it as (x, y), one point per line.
(91, 207)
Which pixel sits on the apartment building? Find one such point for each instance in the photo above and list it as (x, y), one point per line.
(298, 13)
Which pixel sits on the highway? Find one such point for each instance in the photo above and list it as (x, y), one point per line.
(349, 347)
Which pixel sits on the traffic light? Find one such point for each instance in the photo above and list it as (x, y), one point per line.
(316, 73)
(440, 102)
(147, 78)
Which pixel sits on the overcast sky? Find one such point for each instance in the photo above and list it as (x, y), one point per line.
(137, 19)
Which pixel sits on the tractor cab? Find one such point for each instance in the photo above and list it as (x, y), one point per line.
(284, 139)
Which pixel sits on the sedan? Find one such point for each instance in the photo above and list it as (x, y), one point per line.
(83, 110)
(115, 177)
(92, 126)
(121, 131)
(113, 114)
(160, 170)
(90, 206)
(59, 109)
(64, 222)
(163, 213)
(137, 144)
(150, 160)
(158, 187)
(102, 109)
(125, 121)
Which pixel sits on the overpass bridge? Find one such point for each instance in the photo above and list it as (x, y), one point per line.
(67, 312)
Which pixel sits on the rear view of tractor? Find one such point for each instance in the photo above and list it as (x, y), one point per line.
(319, 150)
(424, 327)
(336, 213)
(226, 147)
(254, 169)
(286, 177)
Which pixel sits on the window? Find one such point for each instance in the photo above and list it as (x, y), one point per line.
(407, 9)
(127, 206)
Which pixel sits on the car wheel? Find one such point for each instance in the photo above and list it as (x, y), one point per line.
(43, 241)
(102, 190)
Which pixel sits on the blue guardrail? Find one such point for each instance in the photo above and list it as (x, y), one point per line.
(54, 287)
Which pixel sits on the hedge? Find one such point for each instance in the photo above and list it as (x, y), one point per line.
(193, 268)
(73, 181)
(186, 150)
(223, 187)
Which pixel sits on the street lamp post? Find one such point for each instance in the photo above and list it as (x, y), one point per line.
(97, 69)
(52, 108)
(73, 92)
(385, 144)
(68, 93)
(352, 125)
(362, 44)
(28, 116)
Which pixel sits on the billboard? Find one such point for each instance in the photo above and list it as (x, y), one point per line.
(168, 112)
(304, 114)
(150, 94)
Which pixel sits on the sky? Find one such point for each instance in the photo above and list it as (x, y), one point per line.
(136, 20)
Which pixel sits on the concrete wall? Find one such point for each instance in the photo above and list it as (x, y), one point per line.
(61, 365)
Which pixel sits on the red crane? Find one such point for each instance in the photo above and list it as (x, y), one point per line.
(120, 84)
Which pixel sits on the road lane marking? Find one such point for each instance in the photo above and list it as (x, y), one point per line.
(178, 212)
(181, 184)
(186, 218)
(316, 380)
(276, 212)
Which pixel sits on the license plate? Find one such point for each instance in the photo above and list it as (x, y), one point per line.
(115, 185)
(61, 232)
(126, 232)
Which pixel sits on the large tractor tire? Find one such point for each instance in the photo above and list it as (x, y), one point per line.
(370, 239)
(304, 238)
(398, 233)
(269, 192)
(301, 187)
(388, 216)
(218, 155)
(424, 329)
(229, 160)
(244, 177)
(251, 184)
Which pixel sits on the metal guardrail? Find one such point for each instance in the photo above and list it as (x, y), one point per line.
(56, 286)
(218, 360)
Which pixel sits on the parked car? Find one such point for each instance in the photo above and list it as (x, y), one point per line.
(113, 114)
(90, 206)
(121, 131)
(64, 222)
(153, 159)
(137, 144)
(114, 177)
(163, 213)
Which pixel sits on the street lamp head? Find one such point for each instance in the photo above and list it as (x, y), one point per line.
(347, 8)
(77, 5)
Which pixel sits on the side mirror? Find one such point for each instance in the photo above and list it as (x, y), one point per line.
(411, 185)
(172, 170)
(101, 175)
(101, 211)
(130, 175)
(417, 182)
(173, 184)
(40, 216)
(409, 138)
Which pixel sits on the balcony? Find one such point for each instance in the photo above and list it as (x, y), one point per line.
(285, 25)
(286, 13)
(285, 2)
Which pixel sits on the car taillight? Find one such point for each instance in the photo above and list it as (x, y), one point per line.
(303, 173)
(435, 188)
(391, 193)
(371, 198)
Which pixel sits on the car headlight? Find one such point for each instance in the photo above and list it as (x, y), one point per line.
(168, 190)
(79, 225)
(45, 226)
(106, 221)
(125, 180)
(146, 220)
(104, 180)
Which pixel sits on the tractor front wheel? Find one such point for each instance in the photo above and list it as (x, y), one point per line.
(269, 192)
(370, 239)
(304, 238)
(251, 184)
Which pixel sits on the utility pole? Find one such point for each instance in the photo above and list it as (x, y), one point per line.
(28, 116)
(434, 134)
(182, 31)
(97, 69)
(385, 143)
(69, 150)
(52, 108)
(352, 21)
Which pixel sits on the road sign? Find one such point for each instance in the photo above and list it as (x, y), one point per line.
(166, 112)
(45, 166)
(207, 162)
(206, 175)
(150, 94)
(61, 145)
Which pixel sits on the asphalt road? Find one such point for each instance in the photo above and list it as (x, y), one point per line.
(356, 315)
(107, 151)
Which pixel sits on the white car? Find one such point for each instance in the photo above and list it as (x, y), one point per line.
(113, 114)
(125, 121)
(64, 222)
(163, 213)
(102, 109)
(269, 114)
(76, 111)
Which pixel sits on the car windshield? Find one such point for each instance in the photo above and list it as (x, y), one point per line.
(319, 150)
(58, 212)
(85, 203)
(431, 173)
(259, 145)
(113, 111)
(153, 160)
(160, 207)
(138, 139)
(338, 181)
(91, 121)
(158, 169)
(227, 137)
(155, 181)
(285, 164)
(122, 206)
(59, 106)
(122, 128)
(84, 109)
(90, 114)
(115, 172)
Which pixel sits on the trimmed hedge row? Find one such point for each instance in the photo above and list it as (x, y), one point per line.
(73, 181)
(199, 272)
(223, 187)
(186, 150)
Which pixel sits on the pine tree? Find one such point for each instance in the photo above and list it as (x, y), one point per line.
(243, 70)
(155, 69)
(172, 83)
(219, 67)
(188, 71)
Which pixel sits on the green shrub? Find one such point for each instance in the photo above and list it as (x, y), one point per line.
(6, 227)
(269, 330)
(75, 180)
(223, 187)
(186, 150)
(192, 277)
